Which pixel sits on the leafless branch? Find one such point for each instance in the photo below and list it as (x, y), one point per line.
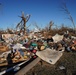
(65, 9)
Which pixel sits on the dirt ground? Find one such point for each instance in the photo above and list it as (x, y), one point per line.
(66, 65)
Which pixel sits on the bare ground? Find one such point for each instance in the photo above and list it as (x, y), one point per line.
(67, 61)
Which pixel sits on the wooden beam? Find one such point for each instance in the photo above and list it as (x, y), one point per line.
(28, 67)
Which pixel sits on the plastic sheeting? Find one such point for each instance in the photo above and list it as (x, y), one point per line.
(18, 46)
(50, 56)
(57, 38)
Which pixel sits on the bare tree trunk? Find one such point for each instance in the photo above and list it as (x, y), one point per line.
(50, 25)
(22, 24)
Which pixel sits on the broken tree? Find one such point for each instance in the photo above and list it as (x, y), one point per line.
(22, 24)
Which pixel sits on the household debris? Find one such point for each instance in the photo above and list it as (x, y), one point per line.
(22, 46)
